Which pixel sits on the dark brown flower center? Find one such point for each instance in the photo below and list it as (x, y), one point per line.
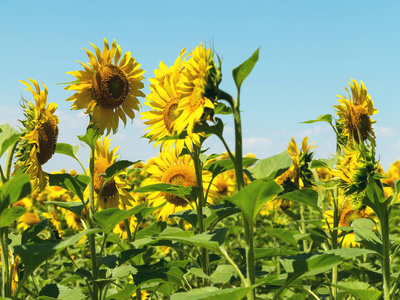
(170, 115)
(110, 86)
(48, 133)
(100, 166)
(360, 122)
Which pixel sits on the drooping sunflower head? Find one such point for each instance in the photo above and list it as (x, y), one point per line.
(115, 192)
(163, 100)
(177, 170)
(39, 136)
(355, 113)
(300, 173)
(108, 87)
(198, 88)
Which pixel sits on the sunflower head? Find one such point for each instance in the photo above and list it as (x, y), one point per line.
(198, 88)
(108, 87)
(39, 135)
(355, 123)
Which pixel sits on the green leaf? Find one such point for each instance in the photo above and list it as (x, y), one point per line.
(123, 271)
(211, 293)
(8, 136)
(223, 273)
(271, 252)
(305, 196)
(9, 215)
(14, 189)
(323, 163)
(90, 136)
(75, 207)
(145, 211)
(118, 167)
(110, 217)
(34, 255)
(33, 231)
(363, 231)
(321, 118)
(273, 166)
(208, 240)
(285, 235)
(253, 197)
(151, 230)
(178, 190)
(190, 215)
(241, 72)
(222, 109)
(360, 290)
(75, 184)
(67, 149)
(125, 294)
(222, 165)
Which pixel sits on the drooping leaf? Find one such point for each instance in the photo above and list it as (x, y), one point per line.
(211, 293)
(67, 149)
(253, 197)
(273, 166)
(110, 217)
(8, 136)
(75, 184)
(305, 196)
(11, 214)
(241, 72)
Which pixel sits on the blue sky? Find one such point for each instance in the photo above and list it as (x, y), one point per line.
(309, 51)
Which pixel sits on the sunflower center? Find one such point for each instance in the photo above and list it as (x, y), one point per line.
(48, 133)
(110, 86)
(349, 215)
(222, 187)
(100, 166)
(179, 175)
(170, 114)
(361, 122)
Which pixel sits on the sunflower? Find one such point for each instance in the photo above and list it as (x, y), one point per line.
(163, 100)
(39, 136)
(347, 214)
(355, 114)
(73, 220)
(108, 90)
(225, 184)
(178, 170)
(28, 219)
(121, 228)
(198, 88)
(114, 193)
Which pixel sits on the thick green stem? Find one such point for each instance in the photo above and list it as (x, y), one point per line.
(10, 156)
(5, 290)
(384, 224)
(91, 237)
(334, 235)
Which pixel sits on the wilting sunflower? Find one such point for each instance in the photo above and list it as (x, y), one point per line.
(178, 170)
(108, 90)
(163, 100)
(115, 191)
(347, 214)
(39, 136)
(198, 88)
(355, 114)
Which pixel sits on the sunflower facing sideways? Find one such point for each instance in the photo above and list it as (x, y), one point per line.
(198, 88)
(355, 114)
(163, 100)
(114, 193)
(108, 90)
(39, 136)
(178, 170)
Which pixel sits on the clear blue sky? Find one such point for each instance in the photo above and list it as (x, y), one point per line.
(309, 51)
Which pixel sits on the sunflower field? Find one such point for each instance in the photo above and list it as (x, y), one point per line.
(191, 223)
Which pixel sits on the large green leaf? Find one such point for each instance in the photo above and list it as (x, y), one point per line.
(125, 294)
(33, 231)
(57, 291)
(273, 166)
(109, 218)
(118, 167)
(90, 136)
(253, 197)
(152, 230)
(14, 189)
(8, 136)
(321, 118)
(222, 165)
(75, 184)
(178, 190)
(75, 207)
(211, 293)
(67, 149)
(360, 290)
(11, 214)
(241, 72)
(305, 196)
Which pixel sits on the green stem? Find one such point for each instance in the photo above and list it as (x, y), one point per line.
(232, 263)
(91, 237)
(5, 290)
(303, 227)
(384, 224)
(334, 235)
(10, 156)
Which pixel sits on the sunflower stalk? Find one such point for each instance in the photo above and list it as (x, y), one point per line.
(6, 284)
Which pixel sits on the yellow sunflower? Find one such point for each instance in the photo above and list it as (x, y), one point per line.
(108, 90)
(28, 219)
(163, 100)
(347, 214)
(39, 136)
(355, 114)
(115, 191)
(73, 220)
(178, 170)
(198, 88)
(121, 228)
